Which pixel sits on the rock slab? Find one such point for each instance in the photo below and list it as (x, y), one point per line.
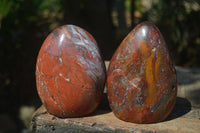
(105, 122)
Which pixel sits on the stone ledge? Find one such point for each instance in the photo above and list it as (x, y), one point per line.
(189, 84)
(105, 121)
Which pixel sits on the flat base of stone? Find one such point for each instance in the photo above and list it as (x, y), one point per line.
(105, 121)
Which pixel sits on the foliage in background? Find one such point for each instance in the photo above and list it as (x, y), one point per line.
(23, 27)
(179, 23)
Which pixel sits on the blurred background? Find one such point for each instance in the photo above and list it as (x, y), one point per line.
(24, 24)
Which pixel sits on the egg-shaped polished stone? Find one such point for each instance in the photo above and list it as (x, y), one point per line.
(141, 81)
(70, 72)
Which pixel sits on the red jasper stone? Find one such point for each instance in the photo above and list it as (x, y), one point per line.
(142, 85)
(70, 72)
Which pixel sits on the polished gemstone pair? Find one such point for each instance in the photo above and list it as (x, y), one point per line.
(141, 78)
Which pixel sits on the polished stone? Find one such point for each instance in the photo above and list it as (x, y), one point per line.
(70, 72)
(142, 85)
